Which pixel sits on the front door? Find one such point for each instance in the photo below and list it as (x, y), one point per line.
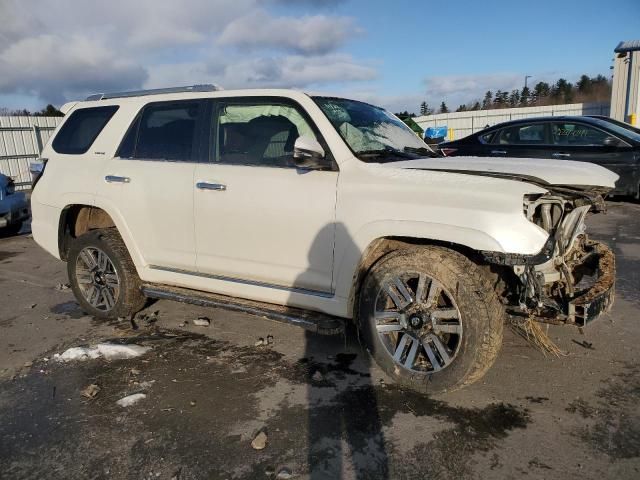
(258, 218)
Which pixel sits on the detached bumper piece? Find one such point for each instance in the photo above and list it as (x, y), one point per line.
(598, 298)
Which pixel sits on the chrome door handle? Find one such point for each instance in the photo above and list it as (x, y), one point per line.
(116, 179)
(498, 152)
(561, 155)
(211, 186)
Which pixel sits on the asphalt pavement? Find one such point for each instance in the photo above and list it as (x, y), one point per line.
(325, 411)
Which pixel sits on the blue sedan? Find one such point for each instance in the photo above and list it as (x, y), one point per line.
(14, 207)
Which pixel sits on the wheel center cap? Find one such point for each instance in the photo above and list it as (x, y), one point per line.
(415, 321)
(98, 278)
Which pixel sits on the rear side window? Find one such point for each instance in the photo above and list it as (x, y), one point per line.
(531, 134)
(81, 129)
(165, 131)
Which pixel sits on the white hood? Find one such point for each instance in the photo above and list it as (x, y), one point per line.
(553, 172)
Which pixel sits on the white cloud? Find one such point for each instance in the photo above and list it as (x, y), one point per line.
(35, 66)
(64, 50)
(459, 89)
(290, 71)
(318, 34)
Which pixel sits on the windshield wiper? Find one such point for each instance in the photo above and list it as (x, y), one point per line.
(421, 151)
(387, 154)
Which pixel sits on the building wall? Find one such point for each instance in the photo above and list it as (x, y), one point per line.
(625, 94)
(21, 140)
(461, 124)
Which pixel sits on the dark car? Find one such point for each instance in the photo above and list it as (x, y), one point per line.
(587, 139)
(14, 207)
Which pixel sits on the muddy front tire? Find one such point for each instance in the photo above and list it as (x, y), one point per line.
(430, 318)
(102, 275)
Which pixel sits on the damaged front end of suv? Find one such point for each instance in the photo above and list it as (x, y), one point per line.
(572, 279)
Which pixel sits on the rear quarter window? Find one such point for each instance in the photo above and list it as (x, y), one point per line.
(81, 129)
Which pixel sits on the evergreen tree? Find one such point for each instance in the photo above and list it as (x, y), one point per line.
(461, 108)
(501, 99)
(424, 109)
(476, 106)
(514, 98)
(488, 100)
(585, 85)
(525, 96)
(443, 108)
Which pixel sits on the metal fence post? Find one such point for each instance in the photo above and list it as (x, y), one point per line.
(37, 138)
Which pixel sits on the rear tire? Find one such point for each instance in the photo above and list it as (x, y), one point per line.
(431, 319)
(103, 276)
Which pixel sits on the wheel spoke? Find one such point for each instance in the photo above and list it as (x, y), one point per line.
(88, 259)
(434, 292)
(84, 278)
(441, 348)
(445, 314)
(401, 346)
(111, 279)
(387, 315)
(411, 356)
(447, 328)
(403, 297)
(108, 299)
(389, 327)
(103, 261)
(435, 363)
(93, 296)
(420, 291)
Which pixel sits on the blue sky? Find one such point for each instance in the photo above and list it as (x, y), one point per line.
(394, 53)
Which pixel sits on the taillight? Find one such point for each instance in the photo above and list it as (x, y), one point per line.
(447, 152)
(37, 169)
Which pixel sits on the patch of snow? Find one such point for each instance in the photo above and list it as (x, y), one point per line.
(131, 399)
(109, 351)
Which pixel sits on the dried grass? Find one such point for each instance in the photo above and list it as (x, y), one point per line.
(536, 335)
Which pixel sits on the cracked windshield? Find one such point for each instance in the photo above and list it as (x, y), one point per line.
(371, 132)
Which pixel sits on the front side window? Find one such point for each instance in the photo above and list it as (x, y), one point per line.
(259, 134)
(372, 133)
(81, 129)
(532, 134)
(166, 131)
(576, 134)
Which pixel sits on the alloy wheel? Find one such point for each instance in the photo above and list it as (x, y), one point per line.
(97, 278)
(418, 322)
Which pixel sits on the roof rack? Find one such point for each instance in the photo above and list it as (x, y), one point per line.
(155, 91)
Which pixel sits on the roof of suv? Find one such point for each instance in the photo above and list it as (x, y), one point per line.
(177, 93)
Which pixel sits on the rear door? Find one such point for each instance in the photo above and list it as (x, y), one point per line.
(524, 140)
(150, 181)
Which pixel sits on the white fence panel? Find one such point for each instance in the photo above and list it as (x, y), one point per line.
(461, 124)
(21, 140)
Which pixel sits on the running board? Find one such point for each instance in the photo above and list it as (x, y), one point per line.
(312, 321)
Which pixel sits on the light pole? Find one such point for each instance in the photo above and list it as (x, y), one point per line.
(526, 77)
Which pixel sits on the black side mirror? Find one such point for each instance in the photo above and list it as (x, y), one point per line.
(309, 154)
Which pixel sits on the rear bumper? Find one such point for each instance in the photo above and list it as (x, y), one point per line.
(44, 226)
(14, 209)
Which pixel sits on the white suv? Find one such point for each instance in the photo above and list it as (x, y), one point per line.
(315, 210)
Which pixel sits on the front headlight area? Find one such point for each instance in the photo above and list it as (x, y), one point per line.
(544, 210)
